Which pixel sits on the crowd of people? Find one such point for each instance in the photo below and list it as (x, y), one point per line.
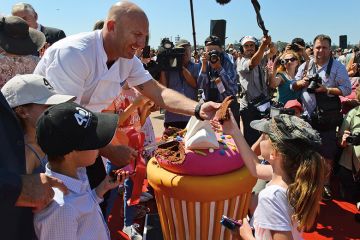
(75, 119)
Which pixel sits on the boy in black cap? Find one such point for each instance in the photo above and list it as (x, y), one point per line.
(70, 135)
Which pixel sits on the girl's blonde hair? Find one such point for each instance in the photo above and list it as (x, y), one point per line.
(305, 169)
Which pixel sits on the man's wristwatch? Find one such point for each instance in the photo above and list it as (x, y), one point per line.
(197, 111)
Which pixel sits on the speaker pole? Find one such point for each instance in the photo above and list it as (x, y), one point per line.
(193, 26)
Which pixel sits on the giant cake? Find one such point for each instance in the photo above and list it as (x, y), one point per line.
(199, 150)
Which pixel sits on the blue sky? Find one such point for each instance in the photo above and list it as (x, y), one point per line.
(285, 19)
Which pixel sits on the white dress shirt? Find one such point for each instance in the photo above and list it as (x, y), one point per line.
(76, 215)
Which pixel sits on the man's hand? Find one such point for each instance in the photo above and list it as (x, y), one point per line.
(321, 89)
(343, 142)
(37, 191)
(119, 155)
(208, 110)
(266, 40)
(303, 83)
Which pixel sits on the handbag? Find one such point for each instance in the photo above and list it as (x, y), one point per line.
(327, 114)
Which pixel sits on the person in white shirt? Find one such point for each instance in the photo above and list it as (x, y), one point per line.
(290, 201)
(93, 66)
(70, 135)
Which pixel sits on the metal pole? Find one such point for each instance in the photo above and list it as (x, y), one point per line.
(193, 25)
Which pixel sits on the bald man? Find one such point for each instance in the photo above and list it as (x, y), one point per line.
(93, 66)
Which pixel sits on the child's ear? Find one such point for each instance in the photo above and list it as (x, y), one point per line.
(274, 154)
(22, 112)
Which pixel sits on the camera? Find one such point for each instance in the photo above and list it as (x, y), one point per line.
(354, 139)
(214, 56)
(146, 52)
(229, 222)
(169, 57)
(281, 61)
(314, 83)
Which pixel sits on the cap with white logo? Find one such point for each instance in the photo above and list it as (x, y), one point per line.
(248, 39)
(31, 88)
(68, 126)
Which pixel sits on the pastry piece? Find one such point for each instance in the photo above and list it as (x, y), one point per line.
(173, 152)
(222, 113)
(172, 132)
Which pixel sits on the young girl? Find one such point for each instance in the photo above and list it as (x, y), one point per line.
(290, 201)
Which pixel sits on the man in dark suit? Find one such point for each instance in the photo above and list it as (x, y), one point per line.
(28, 13)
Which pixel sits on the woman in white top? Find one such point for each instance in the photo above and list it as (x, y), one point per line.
(290, 201)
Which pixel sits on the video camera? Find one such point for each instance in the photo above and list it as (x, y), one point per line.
(169, 57)
(314, 83)
(354, 139)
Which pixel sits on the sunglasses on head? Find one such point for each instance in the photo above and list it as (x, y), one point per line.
(286, 60)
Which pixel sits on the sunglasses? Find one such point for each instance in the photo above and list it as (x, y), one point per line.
(289, 60)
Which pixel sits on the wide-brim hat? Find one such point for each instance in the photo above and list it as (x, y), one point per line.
(16, 37)
(287, 128)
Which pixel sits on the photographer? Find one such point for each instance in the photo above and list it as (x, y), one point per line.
(218, 76)
(182, 81)
(298, 45)
(321, 82)
(349, 171)
(253, 80)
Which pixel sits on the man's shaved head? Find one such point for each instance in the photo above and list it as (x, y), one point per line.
(125, 8)
(125, 30)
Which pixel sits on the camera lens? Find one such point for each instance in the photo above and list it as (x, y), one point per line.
(214, 58)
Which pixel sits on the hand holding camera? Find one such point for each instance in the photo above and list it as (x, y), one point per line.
(352, 138)
(213, 57)
(315, 84)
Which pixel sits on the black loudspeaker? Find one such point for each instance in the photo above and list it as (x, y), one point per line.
(343, 41)
(218, 28)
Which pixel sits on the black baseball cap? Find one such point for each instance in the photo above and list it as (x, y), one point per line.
(68, 126)
(213, 40)
(299, 41)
